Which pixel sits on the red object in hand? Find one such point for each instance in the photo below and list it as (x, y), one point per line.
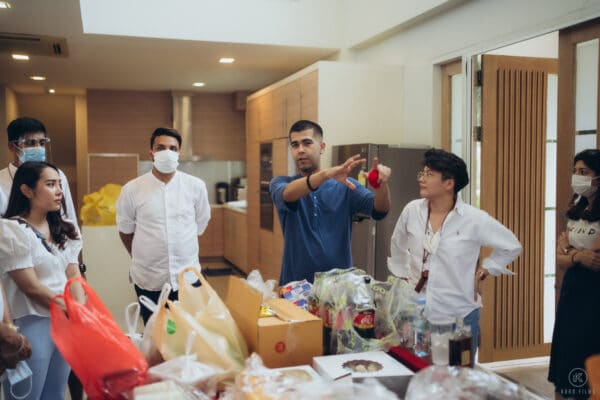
(373, 178)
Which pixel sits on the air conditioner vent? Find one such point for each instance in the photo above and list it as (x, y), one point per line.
(33, 44)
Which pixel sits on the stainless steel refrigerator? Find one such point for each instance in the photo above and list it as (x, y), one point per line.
(370, 238)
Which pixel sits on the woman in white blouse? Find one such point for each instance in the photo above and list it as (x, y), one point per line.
(577, 325)
(38, 253)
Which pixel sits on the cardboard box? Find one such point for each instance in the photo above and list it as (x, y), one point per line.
(293, 337)
(332, 367)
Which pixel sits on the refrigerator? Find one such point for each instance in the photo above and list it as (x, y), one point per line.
(375, 236)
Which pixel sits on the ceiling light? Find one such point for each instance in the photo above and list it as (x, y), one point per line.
(38, 78)
(226, 60)
(198, 84)
(20, 57)
(51, 91)
(4, 4)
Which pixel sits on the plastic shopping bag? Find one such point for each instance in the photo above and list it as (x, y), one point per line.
(132, 319)
(211, 312)
(101, 355)
(218, 341)
(99, 208)
(188, 372)
(148, 347)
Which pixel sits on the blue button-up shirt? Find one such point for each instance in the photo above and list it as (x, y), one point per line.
(318, 228)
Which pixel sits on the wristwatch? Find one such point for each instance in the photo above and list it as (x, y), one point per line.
(82, 268)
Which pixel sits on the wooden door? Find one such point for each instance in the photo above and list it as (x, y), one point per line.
(512, 191)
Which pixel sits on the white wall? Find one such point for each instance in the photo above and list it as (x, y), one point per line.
(545, 46)
(467, 29)
(358, 104)
(365, 20)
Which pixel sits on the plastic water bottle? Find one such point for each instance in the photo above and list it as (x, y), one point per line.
(421, 329)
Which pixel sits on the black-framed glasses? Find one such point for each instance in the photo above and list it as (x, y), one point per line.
(32, 142)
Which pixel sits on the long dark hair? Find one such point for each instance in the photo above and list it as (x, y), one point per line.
(591, 159)
(29, 174)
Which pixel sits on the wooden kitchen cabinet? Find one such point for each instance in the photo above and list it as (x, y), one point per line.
(309, 96)
(236, 236)
(211, 241)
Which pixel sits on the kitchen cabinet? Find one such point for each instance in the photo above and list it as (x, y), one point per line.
(354, 103)
(236, 236)
(211, 241)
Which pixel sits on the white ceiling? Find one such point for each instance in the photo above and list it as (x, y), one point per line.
(138, 63)
(121, 49)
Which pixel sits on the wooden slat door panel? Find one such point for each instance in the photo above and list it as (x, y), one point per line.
(512, 191)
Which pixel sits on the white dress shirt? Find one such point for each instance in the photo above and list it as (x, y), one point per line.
(450, 289)
(20, 248)
(3, 202)
(166, 220)
(6, 180)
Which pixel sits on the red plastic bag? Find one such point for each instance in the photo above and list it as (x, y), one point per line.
(103, 358)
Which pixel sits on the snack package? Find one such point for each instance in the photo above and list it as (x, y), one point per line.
(298, 292)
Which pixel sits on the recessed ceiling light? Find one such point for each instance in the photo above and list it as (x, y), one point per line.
(51, 91)
(20, 57)
(226, 60)
(38, 78)
(4, 4)
(198, 84)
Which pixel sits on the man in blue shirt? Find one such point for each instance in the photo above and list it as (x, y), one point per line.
(315, 207)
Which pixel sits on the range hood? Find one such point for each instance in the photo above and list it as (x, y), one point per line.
(182, 122)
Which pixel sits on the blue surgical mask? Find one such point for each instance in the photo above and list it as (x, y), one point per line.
(36, 153)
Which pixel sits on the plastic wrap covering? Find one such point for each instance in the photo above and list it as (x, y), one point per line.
(257, 382)
(167, 390)
(188, 372)
(358, 313)
(267, 288)
(442, 383)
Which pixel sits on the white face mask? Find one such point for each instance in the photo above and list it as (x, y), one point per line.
(166, 161)
(582, 185)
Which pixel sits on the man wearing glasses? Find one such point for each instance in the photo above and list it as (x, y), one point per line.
(27, 141)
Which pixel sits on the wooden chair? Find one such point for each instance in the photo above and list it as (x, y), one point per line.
(592, 366)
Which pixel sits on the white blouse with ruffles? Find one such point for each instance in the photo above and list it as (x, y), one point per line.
(20, 248)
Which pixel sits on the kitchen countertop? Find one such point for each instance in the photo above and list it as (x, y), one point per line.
(241, 210)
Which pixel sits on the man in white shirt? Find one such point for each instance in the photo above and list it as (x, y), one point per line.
(437, 241)
(3, 202)
(28, 141)
(160, 216)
